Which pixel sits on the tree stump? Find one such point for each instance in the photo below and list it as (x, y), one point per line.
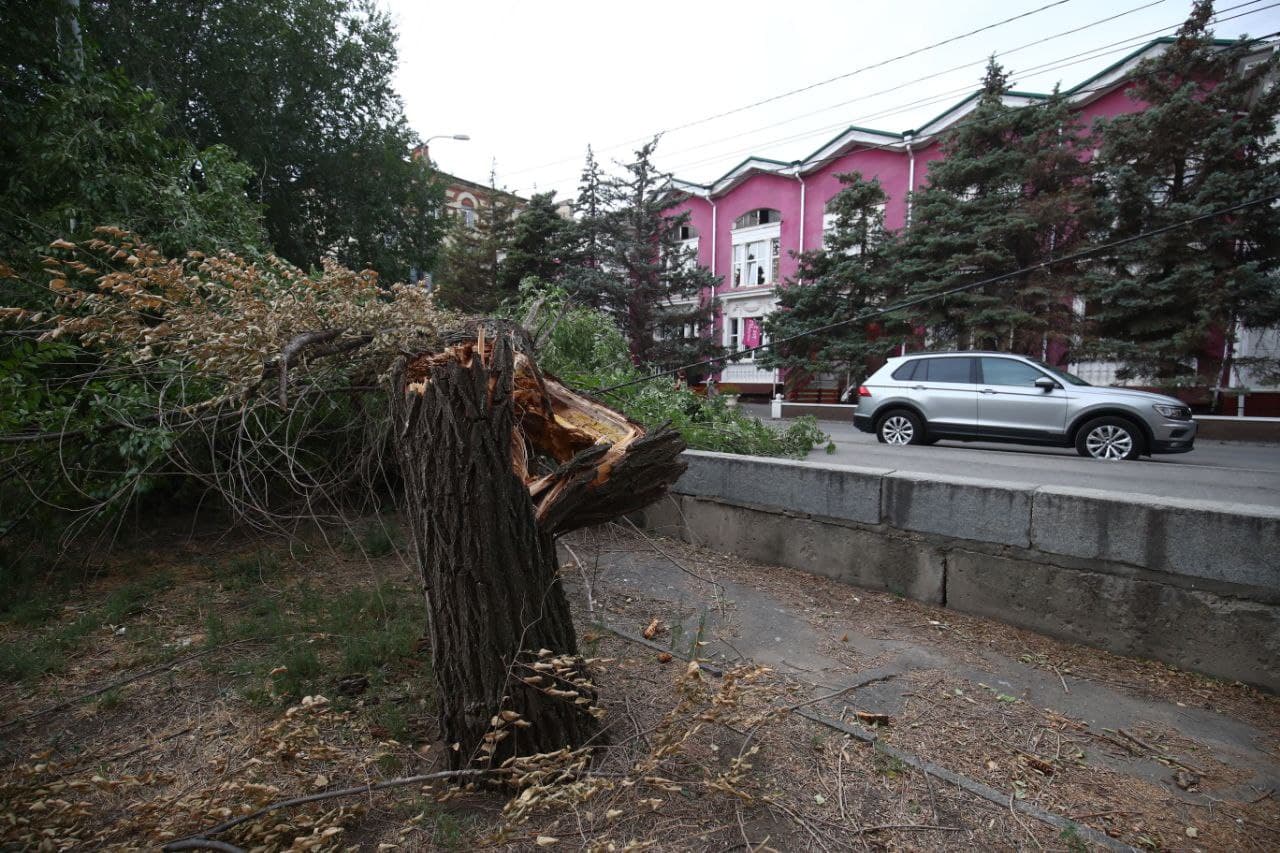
(497, 460)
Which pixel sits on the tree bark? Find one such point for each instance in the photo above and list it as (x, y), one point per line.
(497, 460)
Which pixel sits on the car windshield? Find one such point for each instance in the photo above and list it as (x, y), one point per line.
(1061, 374)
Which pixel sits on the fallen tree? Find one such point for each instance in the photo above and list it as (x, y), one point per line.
(292, 398)
(497, 460)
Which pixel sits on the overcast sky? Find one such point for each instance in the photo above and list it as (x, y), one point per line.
(533, 83)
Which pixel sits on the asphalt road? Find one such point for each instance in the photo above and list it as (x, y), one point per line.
(1216, 470)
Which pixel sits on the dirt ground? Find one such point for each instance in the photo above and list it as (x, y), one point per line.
(271, 671)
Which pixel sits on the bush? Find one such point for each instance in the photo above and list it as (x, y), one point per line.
(586, 351)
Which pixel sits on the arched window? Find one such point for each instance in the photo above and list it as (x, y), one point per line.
(759, 216)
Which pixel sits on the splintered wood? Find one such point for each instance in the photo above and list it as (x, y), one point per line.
(565, 447)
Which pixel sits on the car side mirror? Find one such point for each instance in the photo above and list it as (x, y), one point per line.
(1044, 383)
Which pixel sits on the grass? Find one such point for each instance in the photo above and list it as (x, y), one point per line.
(31, 592)
(311, 636)
(47, 652)
(247, 571)
(373, 539)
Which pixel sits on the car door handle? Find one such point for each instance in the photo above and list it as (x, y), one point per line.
(989, 391)
(917, 387)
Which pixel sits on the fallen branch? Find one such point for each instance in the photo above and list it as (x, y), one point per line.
(204, 844)
(923, 827)
(192, 841)
(986, 792)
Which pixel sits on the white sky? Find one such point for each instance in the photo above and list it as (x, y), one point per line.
(533, 83)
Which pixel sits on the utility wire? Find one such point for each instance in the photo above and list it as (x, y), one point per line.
(941, 294)
(816, 85)
(810, 165)
(1054, 65)
(899, 86)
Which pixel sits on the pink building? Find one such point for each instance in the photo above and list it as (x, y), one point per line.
(748, 225)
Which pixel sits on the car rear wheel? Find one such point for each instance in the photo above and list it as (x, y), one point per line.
(900, 427)
(1110, 439)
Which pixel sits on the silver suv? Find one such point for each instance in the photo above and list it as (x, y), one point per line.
(988, 396)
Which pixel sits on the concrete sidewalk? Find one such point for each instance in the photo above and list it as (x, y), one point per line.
(1163, 744)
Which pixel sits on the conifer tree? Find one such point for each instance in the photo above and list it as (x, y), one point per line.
(850, 274)
(1012, 190)
(584, 266)
(653, 288)
(1204, 141)
(468, 278)
(537, 246)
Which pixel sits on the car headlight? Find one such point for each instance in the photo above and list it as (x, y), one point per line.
(1177, 413)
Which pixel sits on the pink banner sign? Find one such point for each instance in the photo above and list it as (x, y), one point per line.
(750, 333)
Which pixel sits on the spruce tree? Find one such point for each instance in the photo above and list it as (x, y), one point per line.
(537, 245)
(468, 278)
(653, 287)
(849, 275)
(1012, 190)
(1205, 140)
(584, 272)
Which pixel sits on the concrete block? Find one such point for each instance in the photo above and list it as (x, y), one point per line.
(866, 558)
(1225, 637)
(959, 507)
(834, 491)
(1232, 543)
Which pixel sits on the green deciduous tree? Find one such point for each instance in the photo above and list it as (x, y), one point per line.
(1011, 191)
(1204, 141)
(300, 90)
(84, 147)
(852, 273)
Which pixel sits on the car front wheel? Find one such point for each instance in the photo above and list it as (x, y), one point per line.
(1110, 439)
(900, 427)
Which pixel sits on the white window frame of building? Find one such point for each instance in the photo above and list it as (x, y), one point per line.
(733, 328)
(757, 255)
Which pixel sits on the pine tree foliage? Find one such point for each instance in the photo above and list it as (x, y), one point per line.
(851, 273)
(653, 286)
(538, 244)
(584, 274)
(1012, 190)
(1206, 139)
(469, 276)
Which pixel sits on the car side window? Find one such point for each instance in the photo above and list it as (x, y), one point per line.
(906, 371)
(949, 369)
(1006, 371)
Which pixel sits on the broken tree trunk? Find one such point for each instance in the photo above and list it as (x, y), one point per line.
(497, 460)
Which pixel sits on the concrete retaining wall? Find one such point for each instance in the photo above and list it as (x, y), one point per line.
(1192, 583)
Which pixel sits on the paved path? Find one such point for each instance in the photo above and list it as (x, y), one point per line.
(827, 635)
(1216, 470)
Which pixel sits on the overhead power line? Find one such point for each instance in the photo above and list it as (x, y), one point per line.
(899, 86)
(942, 294)
(896, 144)
(810, 86)
(1054, 65)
